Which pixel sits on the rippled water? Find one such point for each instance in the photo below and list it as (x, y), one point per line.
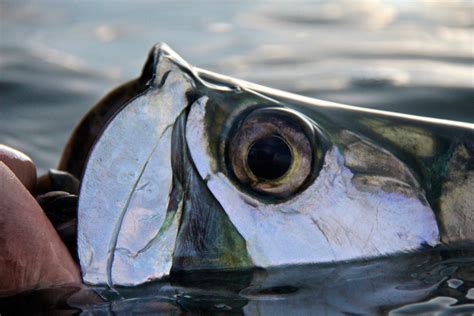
(57, 59)
(430, 283)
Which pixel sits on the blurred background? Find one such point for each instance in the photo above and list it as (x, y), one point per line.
(57, 58)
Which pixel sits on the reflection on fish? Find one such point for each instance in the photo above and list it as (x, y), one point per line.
(193, 170)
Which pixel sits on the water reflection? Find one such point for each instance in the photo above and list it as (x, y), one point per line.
(365, 288)
(57, 59)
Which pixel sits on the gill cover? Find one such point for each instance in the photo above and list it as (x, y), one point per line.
(128, 215)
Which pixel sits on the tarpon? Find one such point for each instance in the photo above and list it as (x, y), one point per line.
(185, 169)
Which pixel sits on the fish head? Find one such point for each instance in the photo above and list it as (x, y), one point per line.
(200, 171)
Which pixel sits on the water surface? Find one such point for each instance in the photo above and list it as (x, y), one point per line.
(57, 58)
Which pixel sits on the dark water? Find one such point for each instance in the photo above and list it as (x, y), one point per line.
(58, 57)
(362, 288)
(429, 283)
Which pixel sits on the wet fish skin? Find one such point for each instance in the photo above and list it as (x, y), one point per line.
(384, 183)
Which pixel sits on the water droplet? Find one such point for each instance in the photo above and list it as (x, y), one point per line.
(181, 295)
(454, 283)
(223, 307)
(470, 294)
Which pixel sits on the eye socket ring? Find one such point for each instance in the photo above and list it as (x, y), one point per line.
(284, 142)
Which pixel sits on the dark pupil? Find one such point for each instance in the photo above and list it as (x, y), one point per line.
(269, 158)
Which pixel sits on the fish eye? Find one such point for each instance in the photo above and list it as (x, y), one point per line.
(272, 151)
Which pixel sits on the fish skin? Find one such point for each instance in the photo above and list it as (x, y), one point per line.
(389, 183)
(331, 220)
